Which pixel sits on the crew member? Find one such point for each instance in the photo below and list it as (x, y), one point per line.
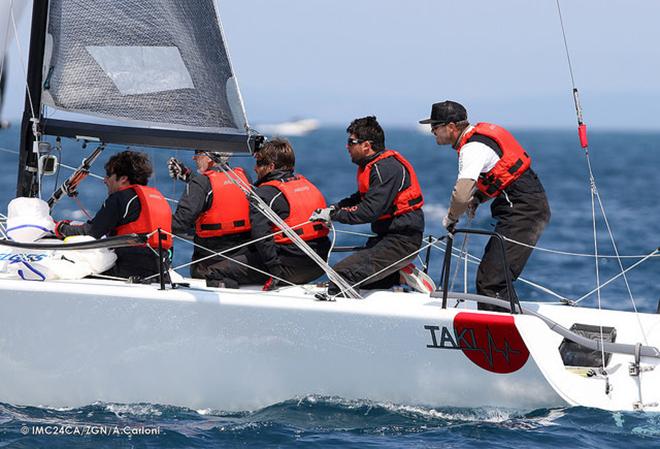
(492, 165)
(390, 198)
(212, 207)
(293, 198)
(131, 207)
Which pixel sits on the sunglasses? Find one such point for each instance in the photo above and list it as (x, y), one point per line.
(355, 141)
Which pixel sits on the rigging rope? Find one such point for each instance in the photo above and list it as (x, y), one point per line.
(332, 242)
(360, 234)
(593, 219)
(623, 272)
(69, 167)
(82, 208)
(652, 254)
(261, 205)
(582, 133)
(220, 253)
(567, 253)
(536, 248)
(462, 257)
(475, 261)
(304, 287)
(563, 300)
(295, 238)
(465, 256)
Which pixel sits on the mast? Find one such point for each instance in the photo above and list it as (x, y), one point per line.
(27, 184)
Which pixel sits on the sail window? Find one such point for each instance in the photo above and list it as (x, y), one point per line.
(143, 70)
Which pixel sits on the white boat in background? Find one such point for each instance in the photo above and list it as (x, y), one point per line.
(66, 343)
(291, 128)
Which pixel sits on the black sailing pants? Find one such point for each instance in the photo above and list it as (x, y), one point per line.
(522, 214)
(297, 270)
(379, 252)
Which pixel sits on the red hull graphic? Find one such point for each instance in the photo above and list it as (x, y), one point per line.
(491, 342)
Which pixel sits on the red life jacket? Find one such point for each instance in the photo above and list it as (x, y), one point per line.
(406, 200)
(303, 198)
(514, 160)
(154, 213)
(230, 209)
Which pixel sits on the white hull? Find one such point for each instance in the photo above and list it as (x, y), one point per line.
(74, 343)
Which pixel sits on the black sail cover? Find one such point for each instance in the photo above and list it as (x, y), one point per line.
(156, 65)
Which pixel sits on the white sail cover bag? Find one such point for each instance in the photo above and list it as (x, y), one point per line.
(28, 220)
(41, 265)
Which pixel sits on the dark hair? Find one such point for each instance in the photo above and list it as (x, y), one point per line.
(278, 152)
(132, 164)
(367, 128)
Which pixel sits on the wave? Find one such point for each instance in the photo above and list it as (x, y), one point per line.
(334, 421)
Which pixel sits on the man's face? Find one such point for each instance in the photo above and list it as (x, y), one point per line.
(114, 184)
(442, 133)
(262, 169)
(358, 149)
(202, 161)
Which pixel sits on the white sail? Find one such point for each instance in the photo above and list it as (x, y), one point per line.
(10, 12)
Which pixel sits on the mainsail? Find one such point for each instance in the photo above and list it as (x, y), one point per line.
(135, 72)
(154, 63)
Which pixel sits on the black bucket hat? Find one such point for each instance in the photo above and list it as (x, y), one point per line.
(446, 112)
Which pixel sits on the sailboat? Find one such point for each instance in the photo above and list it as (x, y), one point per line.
(160, 76)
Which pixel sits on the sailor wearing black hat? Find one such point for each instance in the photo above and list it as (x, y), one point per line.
(492, 165)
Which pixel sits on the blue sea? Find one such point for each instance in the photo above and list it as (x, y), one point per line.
(624, 164)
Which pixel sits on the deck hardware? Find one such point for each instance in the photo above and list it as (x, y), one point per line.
(446, 267)
(634, 368)
(639, 406)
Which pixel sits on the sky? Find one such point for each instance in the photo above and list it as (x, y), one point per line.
(504, 60)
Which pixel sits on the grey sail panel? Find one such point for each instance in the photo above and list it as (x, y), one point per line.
(146, 63)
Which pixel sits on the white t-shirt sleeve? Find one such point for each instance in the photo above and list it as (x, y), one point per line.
(475, 158)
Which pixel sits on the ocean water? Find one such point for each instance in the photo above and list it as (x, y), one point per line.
(312, 421)
(624, 165)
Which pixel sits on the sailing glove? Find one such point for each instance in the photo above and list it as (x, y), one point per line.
(322, 215)
(449, 223)
(58, 228)
(178, 170)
